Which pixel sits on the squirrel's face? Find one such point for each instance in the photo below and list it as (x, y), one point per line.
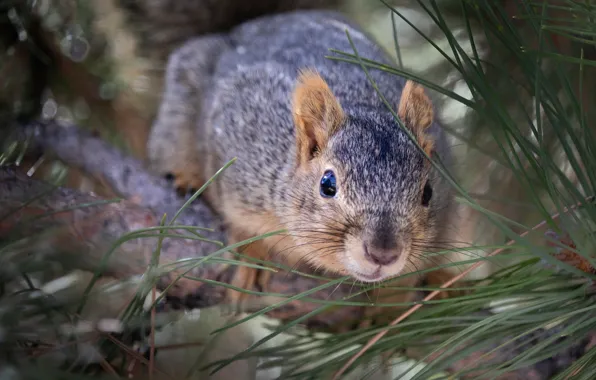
(363, 194)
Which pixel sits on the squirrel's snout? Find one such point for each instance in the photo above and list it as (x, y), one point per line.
(382, 256)
(376, 256)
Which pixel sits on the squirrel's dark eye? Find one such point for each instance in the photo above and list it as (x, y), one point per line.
(427, 194)
(328, 184)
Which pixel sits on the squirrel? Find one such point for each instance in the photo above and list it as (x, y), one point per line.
(319, 153)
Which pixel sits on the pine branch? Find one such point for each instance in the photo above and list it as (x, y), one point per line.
(84, 234)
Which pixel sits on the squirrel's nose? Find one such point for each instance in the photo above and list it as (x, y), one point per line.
(381, 256)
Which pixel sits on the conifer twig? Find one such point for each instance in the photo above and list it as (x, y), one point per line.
(434, 293)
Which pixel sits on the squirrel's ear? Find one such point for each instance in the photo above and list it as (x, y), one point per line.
(416, 112)
(317, 114)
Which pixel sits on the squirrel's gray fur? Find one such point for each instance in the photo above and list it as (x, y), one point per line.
(236, 90)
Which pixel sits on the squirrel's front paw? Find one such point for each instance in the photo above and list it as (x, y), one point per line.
(437, 278)
(244, 278)
(185, 181)
(250, 279)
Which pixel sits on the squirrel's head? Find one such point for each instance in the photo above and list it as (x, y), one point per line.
(364, 200)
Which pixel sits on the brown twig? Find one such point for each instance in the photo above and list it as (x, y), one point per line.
(135, 355)
(152, 336)
(178, 346)
(434, 293)
(108, 368)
